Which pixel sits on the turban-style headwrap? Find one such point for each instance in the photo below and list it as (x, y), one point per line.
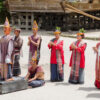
(35, 25)
(6, 24)
(57, 31)
(79, 34)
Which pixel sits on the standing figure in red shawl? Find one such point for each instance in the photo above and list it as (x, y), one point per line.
(97, 68)
(77, 61)
(57, 57)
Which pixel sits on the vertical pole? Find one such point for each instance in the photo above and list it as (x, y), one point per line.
(12, 19)
(19, 20)
(26, 21)
(32, 19)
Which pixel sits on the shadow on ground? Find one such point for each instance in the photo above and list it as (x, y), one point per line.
(94, 95)
(60, 83)
(88, 89)
(57, 83)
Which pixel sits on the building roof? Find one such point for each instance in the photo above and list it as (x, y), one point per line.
(48, 5)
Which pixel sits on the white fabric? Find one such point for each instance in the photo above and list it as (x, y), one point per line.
(99, 51)
(10, 50)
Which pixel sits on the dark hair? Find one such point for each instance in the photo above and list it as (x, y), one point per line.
(18, 30)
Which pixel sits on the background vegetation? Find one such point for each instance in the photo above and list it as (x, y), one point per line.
(3, 12)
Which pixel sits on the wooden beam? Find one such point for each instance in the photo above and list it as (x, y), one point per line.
(71, 8)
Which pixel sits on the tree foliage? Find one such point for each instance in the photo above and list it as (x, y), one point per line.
(3, 12)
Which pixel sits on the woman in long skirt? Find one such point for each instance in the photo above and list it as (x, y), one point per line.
(77, 61)
(97, 68)
(57, 57)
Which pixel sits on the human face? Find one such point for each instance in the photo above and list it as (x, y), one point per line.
(57, 36)
(33, 63)
(35, 31)
(79, 37)
(16, 32)
(7, 30)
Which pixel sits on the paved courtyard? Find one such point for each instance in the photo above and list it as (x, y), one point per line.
(60, 90)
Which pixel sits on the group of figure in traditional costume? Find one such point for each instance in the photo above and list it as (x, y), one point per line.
(35, 75)
(77, 61)
(10, 51)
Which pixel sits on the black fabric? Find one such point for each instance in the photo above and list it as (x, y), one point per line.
(16, 66)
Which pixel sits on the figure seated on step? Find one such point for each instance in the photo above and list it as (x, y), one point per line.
(35, 75)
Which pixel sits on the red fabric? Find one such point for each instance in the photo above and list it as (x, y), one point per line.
(81, 50)
(97, 66)
(97, 45)
(53, 52)
(97, 84)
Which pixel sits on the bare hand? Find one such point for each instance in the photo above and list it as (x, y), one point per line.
(30, 80)
(73, 46)
(95, 49)
(53, 44)
(29, 38)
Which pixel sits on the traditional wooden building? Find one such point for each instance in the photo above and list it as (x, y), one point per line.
(52, 13)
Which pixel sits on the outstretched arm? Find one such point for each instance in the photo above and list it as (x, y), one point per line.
(27, 76)
(36, 76)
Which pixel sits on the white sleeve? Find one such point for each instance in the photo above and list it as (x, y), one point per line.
(10, 50)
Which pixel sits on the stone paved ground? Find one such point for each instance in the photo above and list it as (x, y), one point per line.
(61, 90)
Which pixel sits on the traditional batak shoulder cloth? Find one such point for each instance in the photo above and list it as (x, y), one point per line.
(97, 68)
(58, 57)
(77, 61)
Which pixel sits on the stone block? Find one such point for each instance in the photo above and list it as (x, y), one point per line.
(12, 86)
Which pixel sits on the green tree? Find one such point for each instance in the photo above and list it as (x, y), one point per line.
(3, 12)
(1, 5)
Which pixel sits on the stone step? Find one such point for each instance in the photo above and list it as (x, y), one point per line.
(12, 86)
